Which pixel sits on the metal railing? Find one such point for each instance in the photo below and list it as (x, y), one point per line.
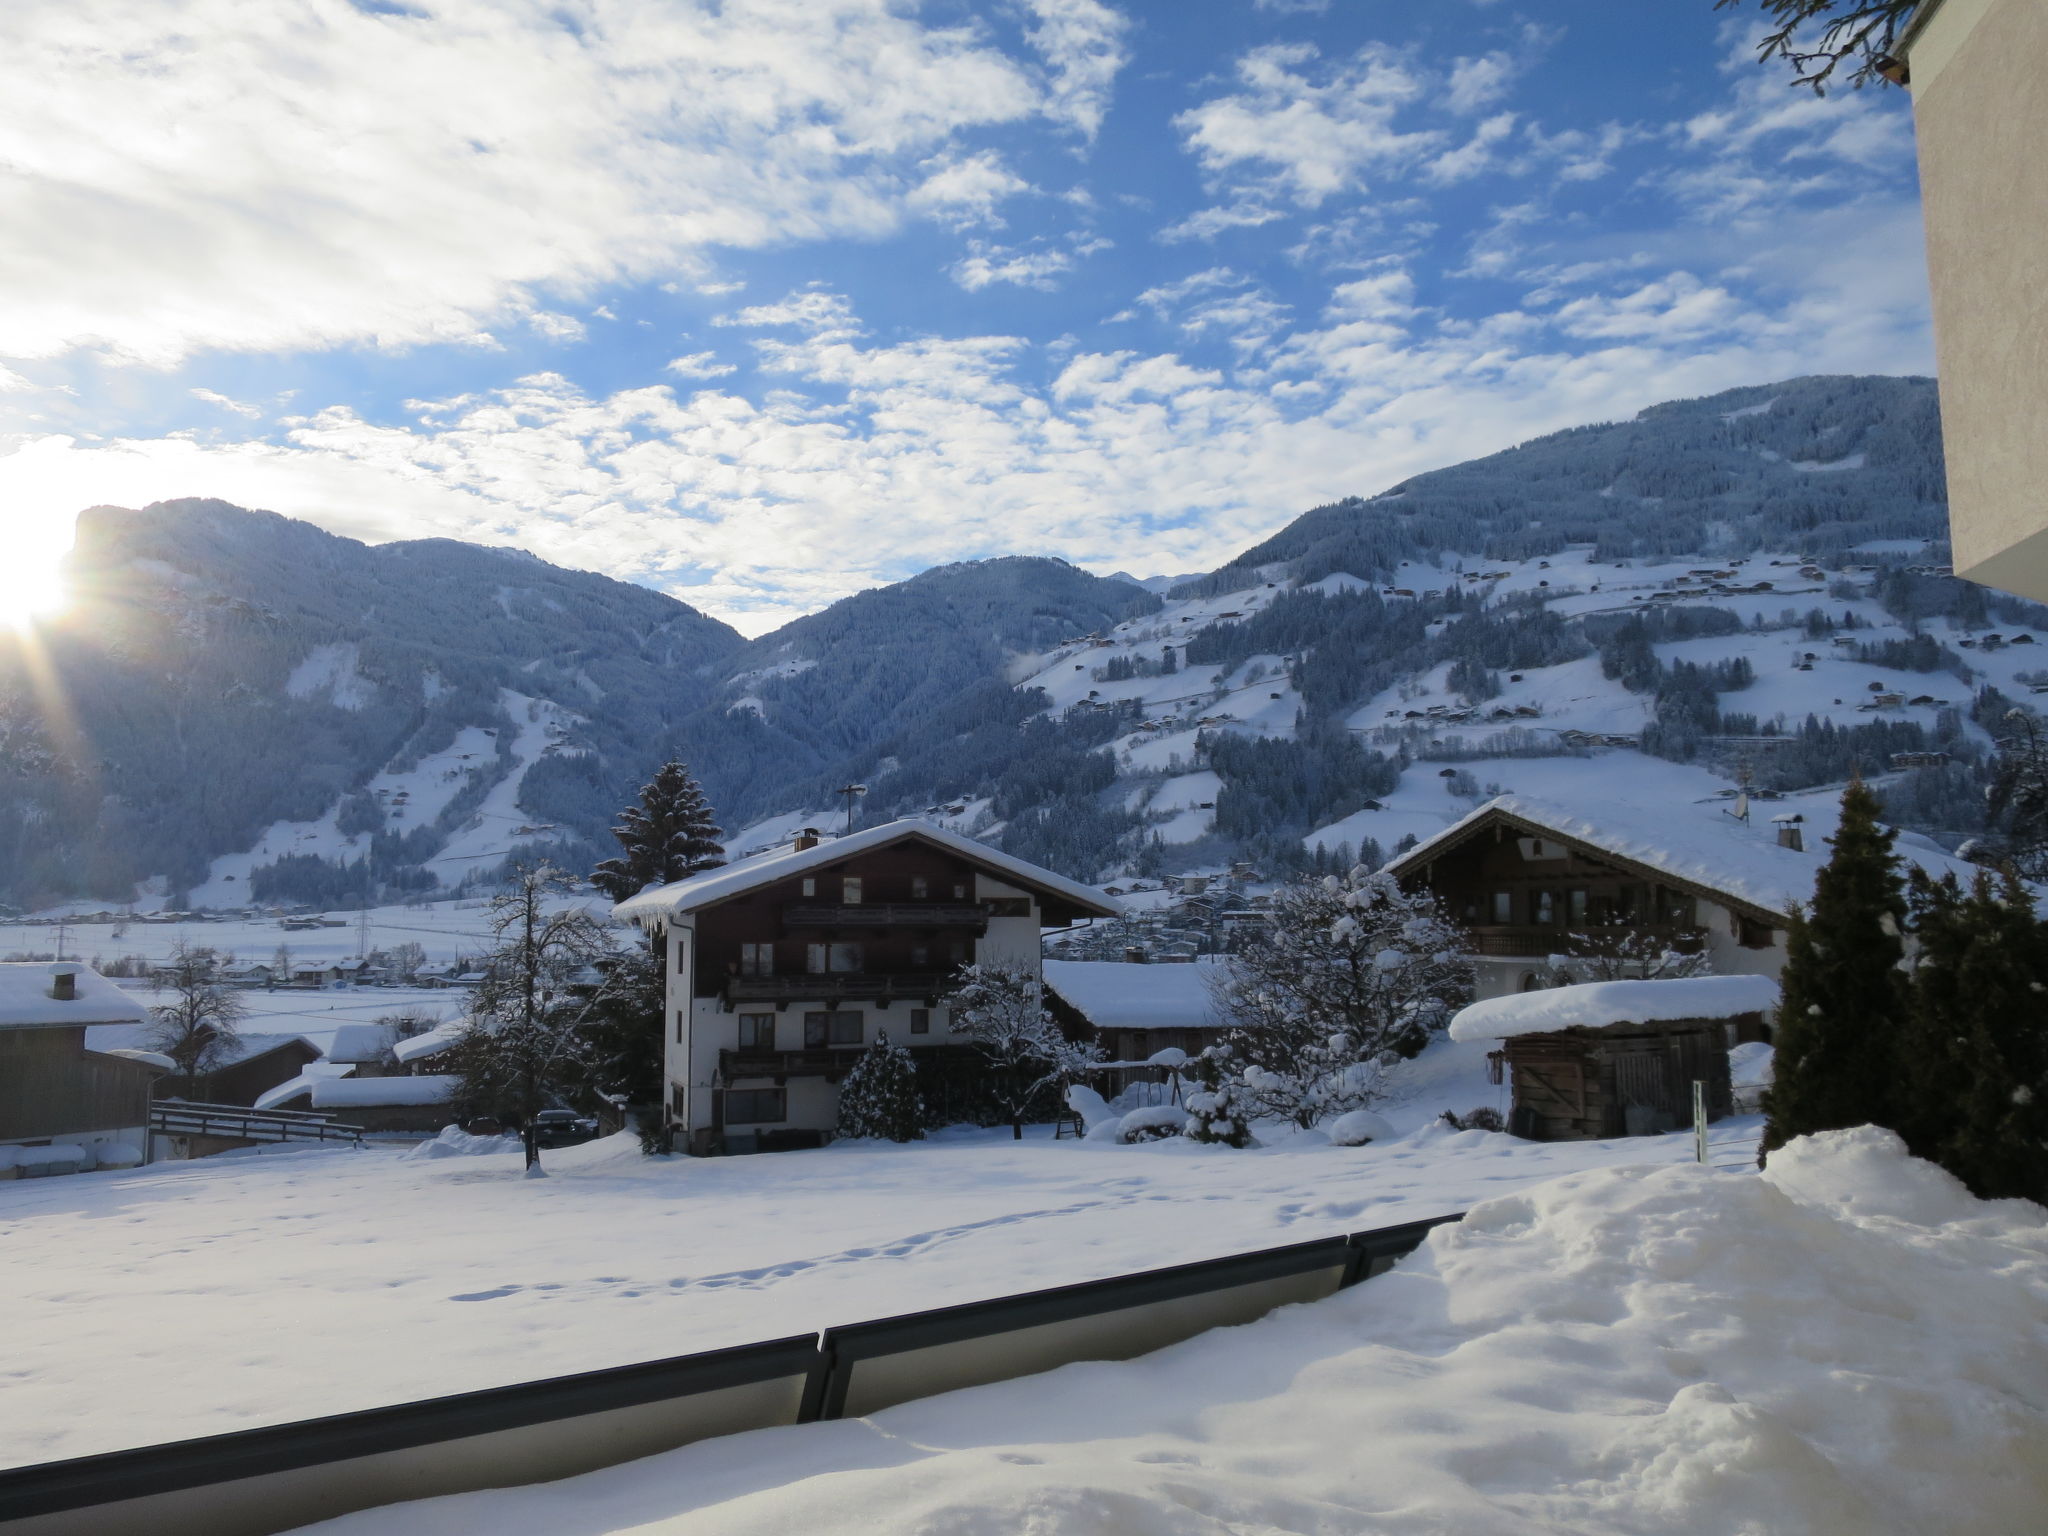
(888, 914)
(256, 1482)
(847, 986)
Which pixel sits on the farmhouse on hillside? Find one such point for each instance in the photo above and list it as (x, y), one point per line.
(54, 1089)
(1531, 881)
(1619, 1058)
(1134, 1011)
(784, 965)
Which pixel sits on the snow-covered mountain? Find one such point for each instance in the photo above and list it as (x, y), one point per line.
(248, 707)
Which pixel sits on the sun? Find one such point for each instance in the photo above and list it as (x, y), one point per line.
(32, 582)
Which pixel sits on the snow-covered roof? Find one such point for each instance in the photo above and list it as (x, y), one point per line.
(118, 1039)
(360, 1042)
(1597, 1004)
(155, 1059)
(380, 1092)
(743, 875)
(26, 1003)
(302, 1085)
(1114, 994)
(433, 1042)
(1699, 846)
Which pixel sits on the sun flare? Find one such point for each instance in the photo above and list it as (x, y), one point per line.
(32, 582)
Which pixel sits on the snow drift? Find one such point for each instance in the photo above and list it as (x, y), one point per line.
(1849, 1343)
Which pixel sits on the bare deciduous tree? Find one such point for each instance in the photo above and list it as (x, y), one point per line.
(199, 1026)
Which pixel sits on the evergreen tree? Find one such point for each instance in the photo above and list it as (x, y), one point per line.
(1974, 1060)
(1844, 1001)
(669, 835)
(619, 1064)
(1219, 1110)
(879, 1098)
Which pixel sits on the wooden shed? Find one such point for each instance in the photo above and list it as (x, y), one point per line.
(1619, 1058)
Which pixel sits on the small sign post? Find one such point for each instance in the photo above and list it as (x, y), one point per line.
(1699, 1121)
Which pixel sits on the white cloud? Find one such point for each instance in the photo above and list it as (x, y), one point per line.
(1293, 7)
(212, 397)
(1082, 43)
(558, 327)
(1475, 154)
(987, 265)
(964, 190)
(816, 310)
(1311, 130)
(698, 365)
(1477, 83)
(12, 383)
(286, 176)
(1208, 223)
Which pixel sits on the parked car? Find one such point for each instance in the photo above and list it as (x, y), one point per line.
(562, 1128)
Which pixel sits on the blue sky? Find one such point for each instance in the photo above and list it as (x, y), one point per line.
(765, 301)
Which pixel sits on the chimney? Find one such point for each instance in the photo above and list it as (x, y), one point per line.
(808, 838)
(64, 982)
(1789, 833)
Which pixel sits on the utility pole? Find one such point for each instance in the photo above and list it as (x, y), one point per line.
(853, 792)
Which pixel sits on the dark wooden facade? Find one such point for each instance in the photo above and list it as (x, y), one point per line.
(51, 1085)
(244, 1081)
(1623, 1079)
(912, 922)
(1520, 890)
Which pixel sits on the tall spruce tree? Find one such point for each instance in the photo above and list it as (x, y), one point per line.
(879, 1098)
(1844, 1002)
(669, 835)
(1976, 1053)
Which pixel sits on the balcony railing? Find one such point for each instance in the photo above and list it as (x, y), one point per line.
(823, 1061)
(847, 986)
(888, 914)
(1527, 941)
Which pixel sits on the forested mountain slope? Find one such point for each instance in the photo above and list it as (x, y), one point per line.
(244, 706)
(221, 670)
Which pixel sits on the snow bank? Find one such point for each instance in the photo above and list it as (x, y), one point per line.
(1155, 1122)
(1357, 1128)
(1849, 1343)
(1595, 1004)
(454, 1141)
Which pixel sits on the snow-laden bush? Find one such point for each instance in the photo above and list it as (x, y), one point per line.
(879, 1099)
(1154, 1124)
(1353, 976)
(1357, 1127)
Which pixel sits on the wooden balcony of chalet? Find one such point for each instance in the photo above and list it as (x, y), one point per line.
(925, 987)
(953, 915)
(832, 1062)
(1529, 942)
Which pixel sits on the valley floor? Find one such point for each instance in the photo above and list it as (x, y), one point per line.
(194, 1298)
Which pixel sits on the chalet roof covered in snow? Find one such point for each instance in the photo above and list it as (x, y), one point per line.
(1114, 995)
(441, 1037)
(381, 1092)
(26, 1000)
(113, 1039)
(1597, 1004)
(1700, 847)
(360, 1042)
(743, 875)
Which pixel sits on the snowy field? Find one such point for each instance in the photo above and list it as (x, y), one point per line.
(1849, 1345)
(194, 1298)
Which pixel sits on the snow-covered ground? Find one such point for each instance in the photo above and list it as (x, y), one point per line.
(192, 1298)
(1849, 1345)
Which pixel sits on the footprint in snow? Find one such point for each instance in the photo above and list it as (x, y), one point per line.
(493, 1295)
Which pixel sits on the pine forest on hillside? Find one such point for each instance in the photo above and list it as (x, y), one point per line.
(255, 711)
